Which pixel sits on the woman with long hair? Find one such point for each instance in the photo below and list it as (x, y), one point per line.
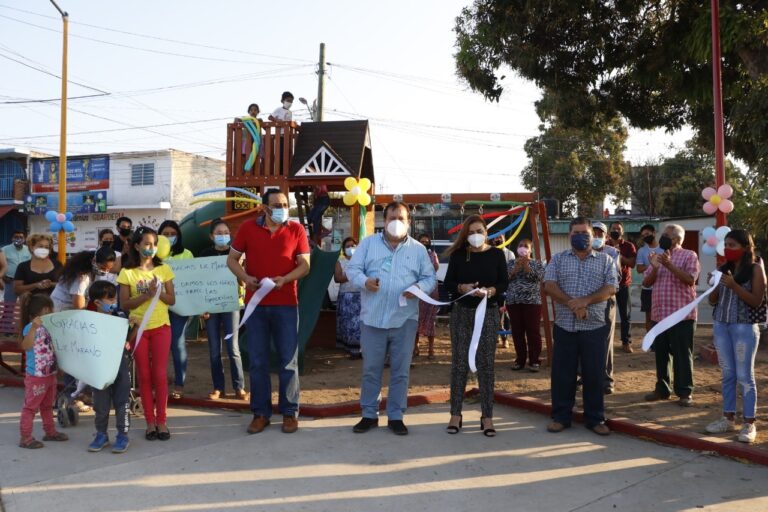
(347, 303)
(739, 302)
(41, 273)
(71, 290)
(474, 265)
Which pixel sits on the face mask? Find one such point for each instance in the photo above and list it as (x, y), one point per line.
(597, 243)
(476, 240)
(171, 240)
(98, 271)
(149, 253)
(649, 239)
(287, 105)
(580, 241)
(349, 251)
(397, 229)
(107, 244)
(108, 308)
(125, 232)
(41, 253)
(427, 245)
(221, 240)
(615, 235)
(733, 254)
(523, 252)
(279, 215)
(18, 242)
(665, 242)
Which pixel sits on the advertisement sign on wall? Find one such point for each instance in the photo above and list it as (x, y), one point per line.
(77, 202)
(83, 173)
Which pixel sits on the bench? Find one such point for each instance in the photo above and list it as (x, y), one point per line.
(10, 318)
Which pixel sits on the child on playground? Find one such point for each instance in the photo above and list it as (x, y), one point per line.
(103, 299)
(40, 379)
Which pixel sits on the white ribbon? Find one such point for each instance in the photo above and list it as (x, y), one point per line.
(266, 286)
(148, 314)
(680, 314)
(477, 329)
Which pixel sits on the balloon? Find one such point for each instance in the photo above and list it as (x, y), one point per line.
(50, 215)
(725, 191)
(55, 227)
(349, 198)
(709, 208)
(355, 190)
(68, 226)
(68, 215)
(349, 183)
(721, 248)
(712, 240)
(60, 217)
(365, 184)
(721, 232)
(364, 199)
(708, 232)
(726, 206)
(708, 192)
(708, 250)
(163, 247)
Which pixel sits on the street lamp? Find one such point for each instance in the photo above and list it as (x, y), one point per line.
(312, 109)
(62, 249)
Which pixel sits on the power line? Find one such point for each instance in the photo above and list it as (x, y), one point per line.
(51, 74)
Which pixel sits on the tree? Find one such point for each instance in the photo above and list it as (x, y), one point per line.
(578, 167)
(645, 60)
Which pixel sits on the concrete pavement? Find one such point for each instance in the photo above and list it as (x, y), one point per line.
(211, 464)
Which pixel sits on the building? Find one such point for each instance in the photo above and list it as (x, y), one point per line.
(14, 164)
(147, 186)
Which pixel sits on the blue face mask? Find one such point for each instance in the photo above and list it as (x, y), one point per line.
(149, 253)
(171, 240)
(108, 308)
(279, 215)
(221, 240)
(580, 241)
(597, 243)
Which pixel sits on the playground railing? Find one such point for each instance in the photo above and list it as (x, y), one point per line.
(274, 159)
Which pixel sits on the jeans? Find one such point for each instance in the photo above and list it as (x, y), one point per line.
(736, 350)
(571, 349)
(623, 305)
(115, 395)
(8, 294)
(218, 326)
(375, 343)
(676, 343)
(281, 325)
(179, 347)
(315, 216)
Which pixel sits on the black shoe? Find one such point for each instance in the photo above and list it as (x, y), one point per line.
(398, 427)
(365, 424)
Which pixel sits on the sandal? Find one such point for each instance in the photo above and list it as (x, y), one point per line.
(31, 443)
(177, 394)
(453, 429)
(58, 436)
(487, 432)
(242, 394)
(81, 407)
(214, 395)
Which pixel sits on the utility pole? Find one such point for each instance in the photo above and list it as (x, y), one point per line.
(320, 83)
(717, 100)
(62, 249)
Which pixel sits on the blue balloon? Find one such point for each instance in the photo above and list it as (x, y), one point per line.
(55, 227)
(50, 216)
(68, 226)
(708, 232)
(708, 250)
(69, 215)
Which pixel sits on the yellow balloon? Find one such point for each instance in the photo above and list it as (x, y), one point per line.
(364, 184)
(364, 199)
(163, 247)
(350, 198)
(350, 183)
(715, 199)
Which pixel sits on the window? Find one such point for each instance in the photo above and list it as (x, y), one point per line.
(142, 174)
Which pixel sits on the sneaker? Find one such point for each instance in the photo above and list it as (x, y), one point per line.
(748, 433)
(100, 440)
(398, 427)
(121, 444)
(721, 426)
(685, 401)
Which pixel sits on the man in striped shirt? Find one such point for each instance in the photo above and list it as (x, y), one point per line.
(383, 267)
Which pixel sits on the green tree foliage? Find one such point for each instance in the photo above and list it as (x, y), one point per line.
(645, 60)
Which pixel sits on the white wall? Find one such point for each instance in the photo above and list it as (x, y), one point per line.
(192, 173)
(122, 193)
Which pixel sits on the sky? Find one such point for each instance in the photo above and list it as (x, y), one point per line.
(180, 70)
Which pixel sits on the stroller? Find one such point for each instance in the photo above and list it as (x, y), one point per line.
(66, 411)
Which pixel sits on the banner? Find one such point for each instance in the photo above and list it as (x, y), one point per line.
(204, 285)
(266, 286)
(78, 203)
(83, 173)
(88, 345)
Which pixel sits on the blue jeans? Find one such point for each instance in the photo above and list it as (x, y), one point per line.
(218, 326)
(375, 343)
(315, 215)
(736, 350)
(571, 349)
(8, 294)
(281, 325)
(179, 347)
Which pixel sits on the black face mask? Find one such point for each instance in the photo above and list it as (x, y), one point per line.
(107, 243)
(649, 239)
(665, 242)
(125, 232)
(615, 235)
(427, 245)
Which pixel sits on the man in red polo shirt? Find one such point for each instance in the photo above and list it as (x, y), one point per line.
(276, 248)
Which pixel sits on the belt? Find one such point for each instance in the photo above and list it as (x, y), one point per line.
(8, 279)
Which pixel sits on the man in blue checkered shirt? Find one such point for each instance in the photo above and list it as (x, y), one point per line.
(580, 282)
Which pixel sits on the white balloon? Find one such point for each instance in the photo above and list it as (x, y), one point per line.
(720, 234)
(721, 248)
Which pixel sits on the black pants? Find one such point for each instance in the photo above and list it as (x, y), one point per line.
(624, 307)
(571, 349)
(675, 344)
(117, 395)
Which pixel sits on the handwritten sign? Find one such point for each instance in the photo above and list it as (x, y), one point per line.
(88, 345)
(204, 285)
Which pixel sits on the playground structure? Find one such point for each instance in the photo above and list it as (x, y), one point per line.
(297, 158)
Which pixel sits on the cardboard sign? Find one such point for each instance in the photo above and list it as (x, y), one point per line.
(204, 285)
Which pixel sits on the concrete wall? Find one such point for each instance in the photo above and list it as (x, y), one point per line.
(191, 173)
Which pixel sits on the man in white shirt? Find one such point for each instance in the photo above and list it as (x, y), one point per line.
(283, 112)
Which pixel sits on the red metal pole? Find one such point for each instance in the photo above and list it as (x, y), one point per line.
(717, 99)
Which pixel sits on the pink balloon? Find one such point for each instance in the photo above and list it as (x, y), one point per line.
(61, 217)
(726, 206)
(708, 192)
(712, 241)
(709, 208)
(725, 191)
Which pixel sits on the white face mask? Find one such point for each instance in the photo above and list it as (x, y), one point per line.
(287, 105)
(597, 243)
(349, 251)
(397, 229)
(41, 252)
(476, 240)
